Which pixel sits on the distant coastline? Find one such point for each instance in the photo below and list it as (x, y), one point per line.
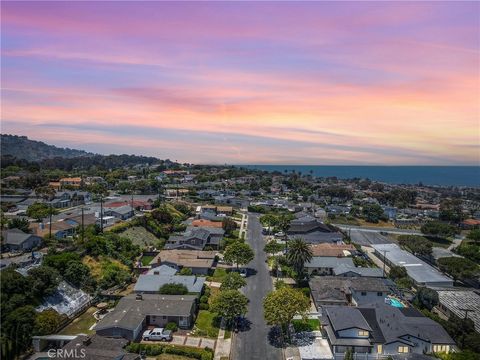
(427, 175)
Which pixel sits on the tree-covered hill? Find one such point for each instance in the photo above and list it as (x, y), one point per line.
(21, 147)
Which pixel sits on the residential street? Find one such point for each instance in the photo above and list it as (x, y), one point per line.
(253, 343)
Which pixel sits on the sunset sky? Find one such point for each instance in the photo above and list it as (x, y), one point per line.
(247, 83)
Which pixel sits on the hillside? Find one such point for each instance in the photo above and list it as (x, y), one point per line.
(21, 147)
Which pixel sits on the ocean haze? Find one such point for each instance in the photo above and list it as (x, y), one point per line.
(428, 175)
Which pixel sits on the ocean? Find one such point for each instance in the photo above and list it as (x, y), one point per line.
(428, 175)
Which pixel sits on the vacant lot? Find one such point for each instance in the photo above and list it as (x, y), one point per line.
(140, 236)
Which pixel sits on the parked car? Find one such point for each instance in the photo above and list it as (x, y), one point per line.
(157, 334)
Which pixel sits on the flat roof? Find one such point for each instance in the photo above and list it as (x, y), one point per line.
(417, 269)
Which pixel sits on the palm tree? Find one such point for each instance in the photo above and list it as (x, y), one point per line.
(298, 254)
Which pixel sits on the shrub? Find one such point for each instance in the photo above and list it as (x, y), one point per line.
(173, 289)
(171, 326)
(306, 291)
(204, 306)
(155, 350)
(204, 299)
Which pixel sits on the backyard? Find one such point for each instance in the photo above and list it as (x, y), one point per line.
(82, 324)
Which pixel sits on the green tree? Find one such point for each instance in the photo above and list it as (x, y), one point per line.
(299, 253)
(269, 221)
(438, 229)
(39, 211)
(44, 281)
(426, 298)
(238, 253)
(459, 268)
(47, 322)
(228, 225)
(232, 281)
(18, 328)
(418, 245)
(397, 272)
(77, 274)
(186, 271)
(229, 304)
(451, 210)
(372, 213)
(280, 306)
(272, 247)
(173, 289)
(474, 235)
(19, 223)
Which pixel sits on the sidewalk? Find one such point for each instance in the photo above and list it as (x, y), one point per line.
(223, 347)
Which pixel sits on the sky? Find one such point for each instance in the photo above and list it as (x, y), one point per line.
(320, 83)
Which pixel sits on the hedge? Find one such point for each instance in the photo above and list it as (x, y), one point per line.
(187, 351)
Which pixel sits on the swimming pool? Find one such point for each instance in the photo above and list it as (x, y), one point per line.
(396, 303)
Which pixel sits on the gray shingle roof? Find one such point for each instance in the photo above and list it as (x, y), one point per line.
(130, 312)
(329, 262)
(346, 317)
(152, 283)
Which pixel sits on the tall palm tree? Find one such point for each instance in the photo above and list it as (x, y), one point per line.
(298, 254)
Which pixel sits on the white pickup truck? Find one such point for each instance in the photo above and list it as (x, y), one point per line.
(157, 334)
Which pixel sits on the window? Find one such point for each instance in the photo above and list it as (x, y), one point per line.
(379, 348)
(364, 293)
(441, 348)
(403, 349)
(379, 293)
(362, 333)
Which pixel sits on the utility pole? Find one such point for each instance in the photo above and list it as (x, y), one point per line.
(101, 213)
(384, 261)
(50, 224)
(83, 227)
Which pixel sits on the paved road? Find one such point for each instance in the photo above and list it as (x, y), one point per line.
(253, 344)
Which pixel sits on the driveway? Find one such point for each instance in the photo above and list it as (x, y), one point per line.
(252, 343)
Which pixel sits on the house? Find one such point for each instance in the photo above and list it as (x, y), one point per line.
(196, 239)
(333, 250)
(382, 330)
(122, 212)
(312, 231)
(461, 303)
(92, 347)
(338, 290)
(17, 240)
(151, 283)
(88, 219)
(71, 181)
(324, 265)
(419, 271)
(199, 261)
(470, 224)
(134, 312)
(60, 229)
(352, 271)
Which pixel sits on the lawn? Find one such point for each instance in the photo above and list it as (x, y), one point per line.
(206, 324)
(172, 357)
(81, 324)
(218, 275)
(146, 259)
(308, 325)
(140, 236)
